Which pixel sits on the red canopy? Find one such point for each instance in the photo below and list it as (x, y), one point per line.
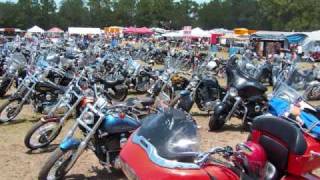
(55, 30)
(133, 30)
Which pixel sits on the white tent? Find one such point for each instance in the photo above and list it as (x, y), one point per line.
(174, 34)
(198, 32)
(311, 41)
(83, 30)
(35, 29)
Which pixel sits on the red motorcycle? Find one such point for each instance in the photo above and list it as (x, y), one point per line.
(166, 147)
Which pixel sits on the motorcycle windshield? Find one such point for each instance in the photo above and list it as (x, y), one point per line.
(290, 89)
(170, 135)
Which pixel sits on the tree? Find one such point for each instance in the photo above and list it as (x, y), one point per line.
(73, 13)
(124, 12)
(100, 12)
(48, 14)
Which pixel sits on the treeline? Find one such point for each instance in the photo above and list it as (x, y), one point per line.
(289, 15)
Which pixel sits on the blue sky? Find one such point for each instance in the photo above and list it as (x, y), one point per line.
(58, 1)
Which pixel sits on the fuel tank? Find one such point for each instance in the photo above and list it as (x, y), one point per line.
(115, 124)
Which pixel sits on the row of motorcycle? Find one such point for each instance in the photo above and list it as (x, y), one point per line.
(154, 136)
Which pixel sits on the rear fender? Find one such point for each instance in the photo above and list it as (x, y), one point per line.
(69, 143)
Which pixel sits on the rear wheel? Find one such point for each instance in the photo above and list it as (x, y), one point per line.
(9, 110)
(42, 134)
(57, 165)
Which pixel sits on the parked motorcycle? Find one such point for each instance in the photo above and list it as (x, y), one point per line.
(35, 88)
(245, 98)
(49, 126)
(105, 129)
(167, 144)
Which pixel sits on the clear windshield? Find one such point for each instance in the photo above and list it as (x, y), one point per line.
(290, 86)
(173, 134)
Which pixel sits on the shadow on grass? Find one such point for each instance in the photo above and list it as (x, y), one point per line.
(99, 174)
(50, 148)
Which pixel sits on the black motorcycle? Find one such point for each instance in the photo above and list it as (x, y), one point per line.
(245, 98)
(37, 89)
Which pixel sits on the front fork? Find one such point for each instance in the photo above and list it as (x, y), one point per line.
(83, 144)
(26, 96)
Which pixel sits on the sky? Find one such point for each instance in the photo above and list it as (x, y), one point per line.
(58, 1)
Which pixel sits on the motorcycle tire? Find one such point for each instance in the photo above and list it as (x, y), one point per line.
(61, 170)
(5, 86)
(43, 141)
(216, 121)
(14, 110)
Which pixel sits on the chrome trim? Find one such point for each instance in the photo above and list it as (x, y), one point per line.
(155, 158)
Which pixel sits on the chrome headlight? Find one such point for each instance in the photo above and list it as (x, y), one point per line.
(48, 97)
(233, 92)
(88, 117)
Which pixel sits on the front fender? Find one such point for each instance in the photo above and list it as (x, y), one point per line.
(220, 108)
(69, 143)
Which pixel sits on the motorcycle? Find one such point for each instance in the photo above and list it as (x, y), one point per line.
(14, 65)
(49, 126)
(105, 129)
(42, 92)
(245, 98)
(167, 144)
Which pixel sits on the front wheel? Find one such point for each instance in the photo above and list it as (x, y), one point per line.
(9, 110)
(42, 134)
(58, 165)
(217, 121)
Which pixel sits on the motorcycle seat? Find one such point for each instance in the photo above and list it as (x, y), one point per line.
(144, 101)
(284, 130)
(279, 138)
(112, 83)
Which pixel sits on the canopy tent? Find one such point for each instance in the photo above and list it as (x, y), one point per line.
(311, 42)
(199, 33)
(159, 30)
(296, 38)
(134, 30)
(174, 34)
(55, 30)
(113, 29)
(35, 29)
(84, 30)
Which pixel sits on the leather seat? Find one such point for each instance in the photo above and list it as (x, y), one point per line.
(284, 130)
(279, 139)
(112, 83)
(46, 86)
(145, 101)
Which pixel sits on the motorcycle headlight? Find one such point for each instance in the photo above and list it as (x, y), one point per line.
(88, 117)
(233, 92)
(48, 97)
